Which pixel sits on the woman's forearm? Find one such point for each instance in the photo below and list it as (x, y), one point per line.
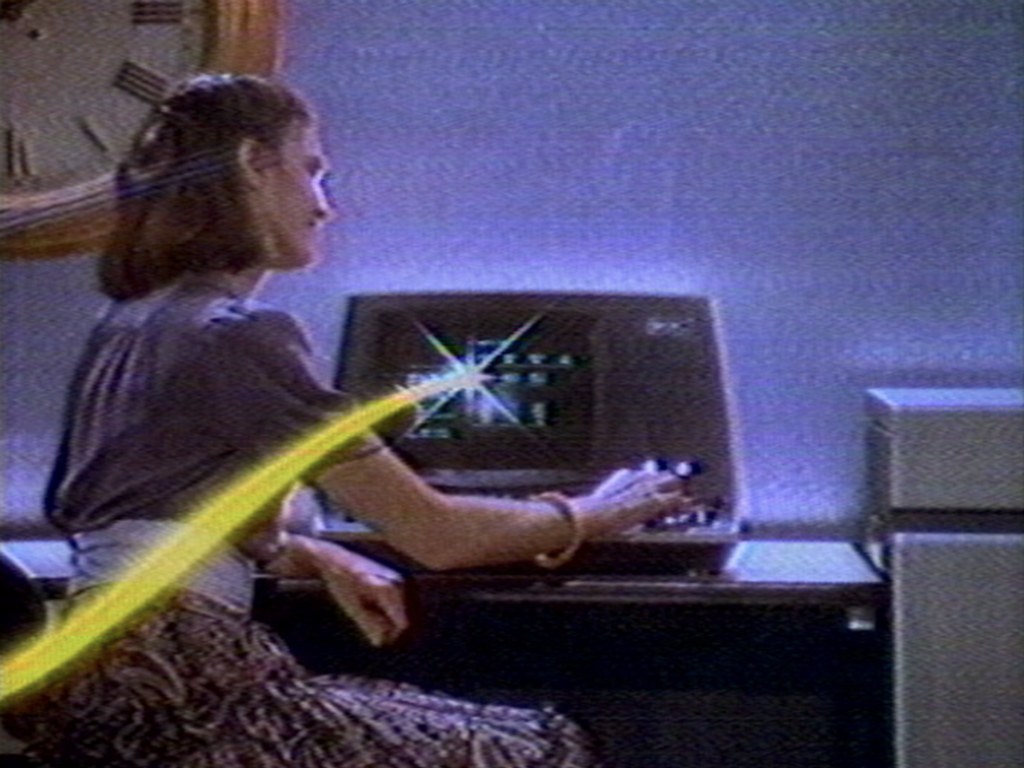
(302, 557)
(442, 531)
(465, 531)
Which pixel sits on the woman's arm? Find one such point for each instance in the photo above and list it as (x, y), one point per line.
(444, 531)
(370, 593)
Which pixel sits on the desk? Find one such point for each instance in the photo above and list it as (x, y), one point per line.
(783, 659)
(758, 573)
(764, 572)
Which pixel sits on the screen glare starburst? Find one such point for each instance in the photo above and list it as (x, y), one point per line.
(479, 400)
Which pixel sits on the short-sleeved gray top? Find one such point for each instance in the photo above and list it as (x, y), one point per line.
(177, 393)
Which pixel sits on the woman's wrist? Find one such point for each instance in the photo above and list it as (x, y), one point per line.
(594, 517)
(306, 557)
(293, 558)
(612, 513)
(570, 513)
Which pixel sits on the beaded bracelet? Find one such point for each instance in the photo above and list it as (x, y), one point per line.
(565, 507)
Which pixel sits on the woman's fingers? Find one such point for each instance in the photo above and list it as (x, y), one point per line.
(614, 482)
(390, 601)
(627, 480)
(374, 600)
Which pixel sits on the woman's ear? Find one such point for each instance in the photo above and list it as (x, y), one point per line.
(253, 160)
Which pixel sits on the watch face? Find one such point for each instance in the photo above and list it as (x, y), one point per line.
(78, 79)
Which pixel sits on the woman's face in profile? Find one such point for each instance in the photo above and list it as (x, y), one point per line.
(289, 200)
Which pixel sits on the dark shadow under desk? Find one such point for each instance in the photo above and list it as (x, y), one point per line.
(782, 660)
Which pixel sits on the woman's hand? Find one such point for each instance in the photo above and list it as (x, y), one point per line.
(631, 497)
(370, 593)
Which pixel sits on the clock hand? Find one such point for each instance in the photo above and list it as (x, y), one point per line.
(11, 10)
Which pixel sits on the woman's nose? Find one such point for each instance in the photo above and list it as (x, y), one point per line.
(324, 208)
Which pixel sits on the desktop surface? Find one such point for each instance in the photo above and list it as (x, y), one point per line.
(783, 655)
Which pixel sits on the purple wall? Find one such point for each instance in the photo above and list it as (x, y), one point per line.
(843, 176)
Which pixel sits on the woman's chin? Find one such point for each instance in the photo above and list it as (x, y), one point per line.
(293, 260)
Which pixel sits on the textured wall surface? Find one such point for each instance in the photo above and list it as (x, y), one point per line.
(842, 176)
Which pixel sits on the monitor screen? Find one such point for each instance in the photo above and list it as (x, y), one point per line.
(536, 409)
(577, 384)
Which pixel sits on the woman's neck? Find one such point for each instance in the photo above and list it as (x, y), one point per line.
(243, 284)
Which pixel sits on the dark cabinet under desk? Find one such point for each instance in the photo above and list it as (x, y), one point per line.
(782, 660)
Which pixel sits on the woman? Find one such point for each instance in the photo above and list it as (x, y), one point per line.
(185, 383)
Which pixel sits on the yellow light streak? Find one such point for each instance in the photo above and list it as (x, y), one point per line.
(204, 532)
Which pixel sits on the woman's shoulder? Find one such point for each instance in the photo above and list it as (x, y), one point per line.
(230, 338)
(253, 325)
(210, 330)
(211, 317)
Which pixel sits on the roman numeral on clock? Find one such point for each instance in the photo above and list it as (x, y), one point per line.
(158, 11)
(16, 159)
(93, 134)
(140, 82)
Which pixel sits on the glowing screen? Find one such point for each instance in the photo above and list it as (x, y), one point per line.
(537, 408)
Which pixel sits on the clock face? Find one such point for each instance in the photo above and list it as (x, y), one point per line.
(79, 77)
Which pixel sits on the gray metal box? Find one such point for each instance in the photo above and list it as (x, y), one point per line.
(946, 449)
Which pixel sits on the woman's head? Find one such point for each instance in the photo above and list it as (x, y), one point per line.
(197, 191)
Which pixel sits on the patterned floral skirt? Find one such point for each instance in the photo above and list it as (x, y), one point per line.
(200, 685)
